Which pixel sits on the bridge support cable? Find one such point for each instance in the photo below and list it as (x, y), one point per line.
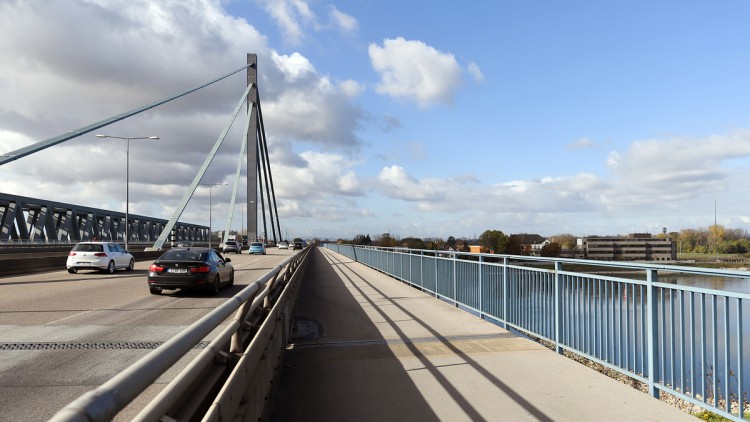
(22, 152)
(236, 183)
(265, 168)
(194, 184)
(262, 199)
(270, 174)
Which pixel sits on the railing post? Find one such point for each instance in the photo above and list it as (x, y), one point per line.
(455, 297)
(354, 252)
(652, 331)
(421, 269)
(437, 277)
(558, 308)
(481, 296)
(505, 291)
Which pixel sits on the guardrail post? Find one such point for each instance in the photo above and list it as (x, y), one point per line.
(652, 331)
(558, 308)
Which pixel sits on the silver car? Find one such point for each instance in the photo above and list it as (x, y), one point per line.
(104, 256)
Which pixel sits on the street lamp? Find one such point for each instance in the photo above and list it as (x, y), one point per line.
(210, 185)
(127, 177)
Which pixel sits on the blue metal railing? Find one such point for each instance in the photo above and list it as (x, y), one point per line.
(686, 341)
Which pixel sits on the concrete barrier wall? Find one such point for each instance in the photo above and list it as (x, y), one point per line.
(10, 265)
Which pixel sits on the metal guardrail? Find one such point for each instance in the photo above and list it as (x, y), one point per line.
(686, 341)
(255, 331)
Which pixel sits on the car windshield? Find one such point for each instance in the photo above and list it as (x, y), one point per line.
(257, 245)
(182, 255)
(88, 247)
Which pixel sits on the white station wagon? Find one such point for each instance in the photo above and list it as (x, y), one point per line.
(105, 256)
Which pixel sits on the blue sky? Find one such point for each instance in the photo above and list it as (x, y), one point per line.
(428, 119)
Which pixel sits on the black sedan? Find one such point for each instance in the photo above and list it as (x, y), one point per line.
(190, 269)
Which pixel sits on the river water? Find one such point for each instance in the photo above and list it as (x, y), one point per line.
(693, 340)
(729, 284)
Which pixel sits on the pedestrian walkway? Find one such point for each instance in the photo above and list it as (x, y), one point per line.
(370, 348)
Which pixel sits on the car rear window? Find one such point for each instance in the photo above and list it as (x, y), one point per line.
(88, 247)
(256, 244)
(182, 255)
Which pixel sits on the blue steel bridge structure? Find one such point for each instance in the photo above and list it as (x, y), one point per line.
(25, 219)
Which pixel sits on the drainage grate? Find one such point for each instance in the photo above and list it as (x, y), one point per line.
(89, 346)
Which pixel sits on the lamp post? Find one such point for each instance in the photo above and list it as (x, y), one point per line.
(127, 177)
(210, 185)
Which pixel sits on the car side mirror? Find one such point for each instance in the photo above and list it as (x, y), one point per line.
(227, 260)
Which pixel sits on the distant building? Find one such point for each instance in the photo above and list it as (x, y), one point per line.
(633, 247)
(530, 243)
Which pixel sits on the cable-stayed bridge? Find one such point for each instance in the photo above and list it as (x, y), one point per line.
(27, 219)
(344, 332)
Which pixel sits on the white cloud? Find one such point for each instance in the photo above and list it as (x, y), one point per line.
(396, 183)
(676, 169)
(343, 21)
(415, 71)
(351, 88)
(663, 175)
(324, 174)
(131, 53)
(294, 66)
(474, 71)
(291, 16)
(583, 143)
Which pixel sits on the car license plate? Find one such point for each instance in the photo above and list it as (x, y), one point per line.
(178, 270)
(82, 263)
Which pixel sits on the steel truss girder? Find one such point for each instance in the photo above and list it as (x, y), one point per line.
(27, 219)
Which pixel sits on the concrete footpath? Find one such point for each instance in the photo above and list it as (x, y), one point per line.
(370, 348)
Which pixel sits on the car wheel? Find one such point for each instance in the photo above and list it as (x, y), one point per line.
(231, 279)
(155, 290)
(217, 285)
(111, 267)
(72, 270)
(131, 266)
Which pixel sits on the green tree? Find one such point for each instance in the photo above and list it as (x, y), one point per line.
(715, 236)
(435, 244)
(413, 243)
(514, 245)
(362, 239)
(462, 245)
(551, 249)
(566, 240)
(385, 240)
(493, 241)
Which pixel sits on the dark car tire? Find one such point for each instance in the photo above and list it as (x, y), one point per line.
(231, 279)
(111, 267)
(216, 286)
(72, 270)
(155, 290)
(131, 265)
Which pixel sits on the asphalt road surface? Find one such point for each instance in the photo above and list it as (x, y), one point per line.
(62, 334)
